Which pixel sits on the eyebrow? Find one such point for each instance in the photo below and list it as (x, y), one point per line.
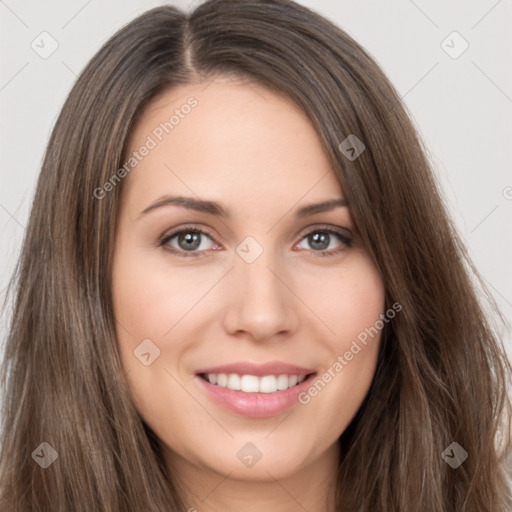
(216, 209)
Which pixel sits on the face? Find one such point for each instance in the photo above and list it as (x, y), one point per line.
(265, 300)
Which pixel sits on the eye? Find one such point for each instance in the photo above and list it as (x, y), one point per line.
(189, 241)
(321, 238)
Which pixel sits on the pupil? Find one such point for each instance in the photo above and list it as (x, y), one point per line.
(319, 240)
(190, 238)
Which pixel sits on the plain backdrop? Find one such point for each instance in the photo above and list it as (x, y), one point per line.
(461, 102)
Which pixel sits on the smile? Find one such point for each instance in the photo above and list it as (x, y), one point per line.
(253, 383)
(254, 389)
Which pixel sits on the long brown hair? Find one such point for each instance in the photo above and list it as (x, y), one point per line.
(442, 372)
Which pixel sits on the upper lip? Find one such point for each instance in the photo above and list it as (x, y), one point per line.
(258, 369)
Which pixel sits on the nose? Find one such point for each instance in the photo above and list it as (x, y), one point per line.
(262, 304)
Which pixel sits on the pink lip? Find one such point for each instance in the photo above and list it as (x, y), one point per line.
(256, 405)
(258, 369)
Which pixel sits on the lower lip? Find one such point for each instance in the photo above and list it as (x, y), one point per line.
(256, 405)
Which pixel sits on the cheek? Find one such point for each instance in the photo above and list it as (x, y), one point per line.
(346, 299)
(142, 304)
(148, 302)
(352, 304)
(141, 300)
(361, 303)
(150, 298)
(155, 301)
(359, 324)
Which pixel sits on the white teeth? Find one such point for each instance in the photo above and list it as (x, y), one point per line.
(268, 384)
(234, 381)
(282, 382)
(249, 383)
(254, 384)
(222, 380)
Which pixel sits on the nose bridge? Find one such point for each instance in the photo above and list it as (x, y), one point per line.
(260, 302)
(255, 267)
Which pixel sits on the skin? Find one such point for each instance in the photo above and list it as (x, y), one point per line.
(257, 154)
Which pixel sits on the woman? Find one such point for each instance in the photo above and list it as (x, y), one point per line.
(240, 288)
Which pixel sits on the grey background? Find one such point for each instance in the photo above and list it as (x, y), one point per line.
(462, 106)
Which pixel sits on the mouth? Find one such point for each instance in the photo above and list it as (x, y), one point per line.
(254, 384)
(255, 390)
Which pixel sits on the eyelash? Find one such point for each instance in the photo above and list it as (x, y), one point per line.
(346, 241)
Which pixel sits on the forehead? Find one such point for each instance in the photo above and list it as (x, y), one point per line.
(230, 140)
